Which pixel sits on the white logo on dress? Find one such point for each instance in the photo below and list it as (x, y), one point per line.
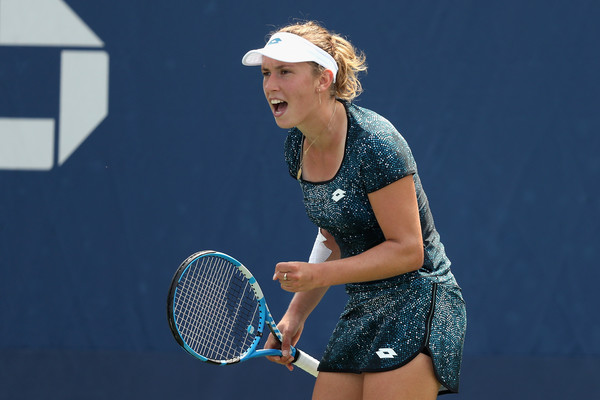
(386, 353)
(338, 195)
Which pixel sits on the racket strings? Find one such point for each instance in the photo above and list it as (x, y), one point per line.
(203, 294)
(212, 307)
(225, 296)
(202, 297)
(194, 306)
(216, 309)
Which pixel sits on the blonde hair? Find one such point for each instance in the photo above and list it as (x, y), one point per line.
(350, 61)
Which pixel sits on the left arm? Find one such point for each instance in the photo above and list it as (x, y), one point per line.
(397, 212)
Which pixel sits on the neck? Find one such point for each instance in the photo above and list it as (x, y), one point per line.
(327, 144)
(322, 131)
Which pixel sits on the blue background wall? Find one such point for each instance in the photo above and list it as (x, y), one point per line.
(499, 101)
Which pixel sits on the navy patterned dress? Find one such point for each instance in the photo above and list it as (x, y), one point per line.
(385, 323)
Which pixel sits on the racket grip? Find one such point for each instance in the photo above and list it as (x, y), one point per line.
(306, 362)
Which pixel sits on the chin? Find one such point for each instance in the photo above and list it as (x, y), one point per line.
(283, 124)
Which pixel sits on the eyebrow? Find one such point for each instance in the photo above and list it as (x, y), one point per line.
(277, 67)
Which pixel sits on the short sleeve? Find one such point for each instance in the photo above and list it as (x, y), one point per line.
(387, 158)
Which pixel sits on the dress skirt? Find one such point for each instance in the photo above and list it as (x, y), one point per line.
(387, 323)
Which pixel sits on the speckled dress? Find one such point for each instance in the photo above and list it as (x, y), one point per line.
(385, 323)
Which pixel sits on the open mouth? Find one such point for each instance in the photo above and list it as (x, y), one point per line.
(279, 107)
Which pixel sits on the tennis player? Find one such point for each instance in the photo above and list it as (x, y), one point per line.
(402, 331)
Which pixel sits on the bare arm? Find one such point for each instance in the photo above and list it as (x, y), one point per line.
(397, 212)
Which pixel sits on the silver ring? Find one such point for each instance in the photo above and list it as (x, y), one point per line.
(285, 276)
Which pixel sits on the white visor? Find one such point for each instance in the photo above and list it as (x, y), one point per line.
(287, 47)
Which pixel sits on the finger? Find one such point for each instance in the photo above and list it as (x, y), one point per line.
(286, 349)
(280, 361)
(284, 277)
(288, 286)
(273, 343)
(280, 274)
(277, 360)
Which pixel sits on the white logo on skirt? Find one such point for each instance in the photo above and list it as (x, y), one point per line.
(386, 353)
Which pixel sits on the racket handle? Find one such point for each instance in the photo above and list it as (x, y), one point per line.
(306, 362)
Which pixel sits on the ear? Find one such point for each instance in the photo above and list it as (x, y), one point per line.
(325, 81)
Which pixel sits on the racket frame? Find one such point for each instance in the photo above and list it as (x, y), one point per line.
(302, 360)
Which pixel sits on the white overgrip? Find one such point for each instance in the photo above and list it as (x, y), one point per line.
(307, 363)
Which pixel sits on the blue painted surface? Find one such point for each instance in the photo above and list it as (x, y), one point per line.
(498, 100)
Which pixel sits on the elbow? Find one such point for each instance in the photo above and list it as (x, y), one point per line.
(409, 255)
(419, 256)
(413, 256)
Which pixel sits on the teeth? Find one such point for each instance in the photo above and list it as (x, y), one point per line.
(276, 101)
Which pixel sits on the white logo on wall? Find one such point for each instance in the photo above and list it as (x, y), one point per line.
(29, 143)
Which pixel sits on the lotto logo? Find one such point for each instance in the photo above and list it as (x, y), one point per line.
(338, 195)
(386, 353)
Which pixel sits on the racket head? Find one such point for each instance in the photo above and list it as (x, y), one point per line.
(215, 308)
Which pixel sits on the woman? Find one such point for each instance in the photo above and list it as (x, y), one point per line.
(401, 333)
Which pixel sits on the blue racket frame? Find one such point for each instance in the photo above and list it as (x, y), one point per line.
(265, 318)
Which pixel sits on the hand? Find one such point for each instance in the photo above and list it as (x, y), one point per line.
(295, 276)
(290, 337)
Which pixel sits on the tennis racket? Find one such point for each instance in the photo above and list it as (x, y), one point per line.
(217, 312)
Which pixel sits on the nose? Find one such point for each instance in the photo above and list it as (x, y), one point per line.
(270, 84)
